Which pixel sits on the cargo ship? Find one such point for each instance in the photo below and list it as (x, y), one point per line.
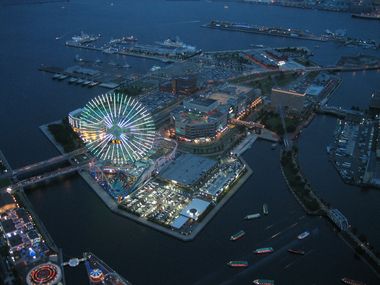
(238, 263)
(367, 16)
(265, 209)
(296, 251)
(263, 282)
(263, 250)
(270, 31)
(238, 235)
(124, 40)
(303, 235)
(349, 281)
(177, 43)
(252, 216)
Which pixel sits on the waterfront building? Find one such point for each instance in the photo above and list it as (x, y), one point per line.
(187, 170)
(195, 208)
(289, 99)
(199, 119)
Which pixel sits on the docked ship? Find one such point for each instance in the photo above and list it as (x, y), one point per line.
(263, 282)
(296, 251)
(124, 40)
(349, 281)
(303, 235)
(263, 250)
(238, 235)
(265, 209)
(252, 216)
(176, 44)
(237, 263)
(367, 16)
(84, 38)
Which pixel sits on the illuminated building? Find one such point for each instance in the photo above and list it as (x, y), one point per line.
(199, 118)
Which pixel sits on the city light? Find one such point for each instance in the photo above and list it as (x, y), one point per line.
(117, 128)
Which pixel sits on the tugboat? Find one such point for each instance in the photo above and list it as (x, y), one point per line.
(303, 235)
(349, 281)
(296, 251)
(238, 263)
(263, 250)
(263, 282)
(252, 216)
(238, 235)
(265, 209)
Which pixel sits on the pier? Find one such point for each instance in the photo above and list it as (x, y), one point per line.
(74, 262)
(339, 112)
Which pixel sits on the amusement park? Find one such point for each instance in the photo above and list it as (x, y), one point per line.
(145, 174)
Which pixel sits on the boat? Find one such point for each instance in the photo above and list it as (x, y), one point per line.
(303, 235)
(238, 263)
(368, 16)
(73, 80)
(263, 282)
(155, 67)
(124, 40)
(84, 38)
(296, 251)
(252, 216)
(349, 281)
(238, 235)
(177, 43)
(263, 250)
(265, 209)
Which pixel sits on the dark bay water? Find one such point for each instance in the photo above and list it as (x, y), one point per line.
(78, 220)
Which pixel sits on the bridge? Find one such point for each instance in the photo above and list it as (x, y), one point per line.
(47, 176)
(338, 111)
(45, 163)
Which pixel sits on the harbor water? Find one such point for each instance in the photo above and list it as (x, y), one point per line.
(78, 221)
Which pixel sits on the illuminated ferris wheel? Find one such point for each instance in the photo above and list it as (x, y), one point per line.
(117, 128)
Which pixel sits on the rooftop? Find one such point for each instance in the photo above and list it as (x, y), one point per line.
(8, 226)
(187, 169)
(203, 101)
(195, 208)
